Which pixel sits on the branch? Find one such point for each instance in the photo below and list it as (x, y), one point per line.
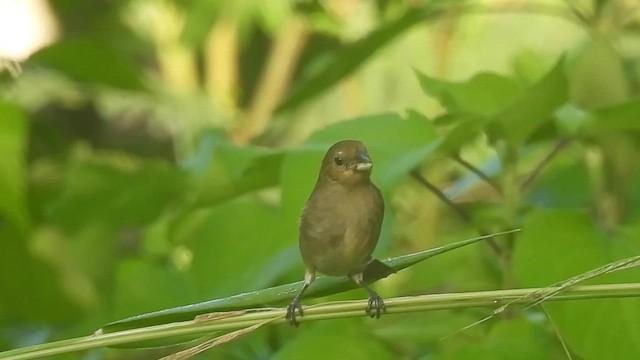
(477, 172)
(542, 164)
(285, 53)
(343, 309)
(463, 214)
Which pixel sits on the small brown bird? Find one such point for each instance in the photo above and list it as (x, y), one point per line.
(340, 224)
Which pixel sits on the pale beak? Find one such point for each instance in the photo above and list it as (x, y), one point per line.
(363, 161)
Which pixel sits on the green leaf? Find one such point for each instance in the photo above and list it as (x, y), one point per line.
(581, 326)
(572, 120)
(414, 139)
(469, 127)
(620, 117)
(517, 339)
(226, 179)
(25, 275)
(13, 138)
(246, 248)
(558, 245)
(223, 170)
(496, 101)
(347, 59)
(566, 185)
(90, 60)
(276, 267)
(142, 284)
(484, 94)
(535, 106)
(556, 234)
(426, 328)
(323, 285)
(114, 189)
(335, 339)
(509, 339)
(201, 15)
(598, 77)
(529, 65)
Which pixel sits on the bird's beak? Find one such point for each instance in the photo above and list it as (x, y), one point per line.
(363, 161)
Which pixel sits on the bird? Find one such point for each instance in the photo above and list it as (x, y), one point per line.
(340, 225)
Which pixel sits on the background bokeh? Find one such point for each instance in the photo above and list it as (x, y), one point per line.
(157, 153)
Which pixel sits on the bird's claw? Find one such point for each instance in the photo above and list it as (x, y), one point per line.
(291, 312)
(376, 306)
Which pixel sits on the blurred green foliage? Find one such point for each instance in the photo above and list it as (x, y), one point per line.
(159, 154)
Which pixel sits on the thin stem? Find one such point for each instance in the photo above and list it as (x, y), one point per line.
(343, 309)
(511, 198)
(284, 55)
(221, 64)
(533, 175)
(477, 172)
(463, 214)
(574, 10)
(444, 198)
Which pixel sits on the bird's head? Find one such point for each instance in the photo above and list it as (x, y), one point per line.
(347, 162)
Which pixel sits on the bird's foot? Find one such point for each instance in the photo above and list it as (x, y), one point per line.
(291, 312)
(376, 306)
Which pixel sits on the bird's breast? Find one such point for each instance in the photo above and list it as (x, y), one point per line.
(339, 229)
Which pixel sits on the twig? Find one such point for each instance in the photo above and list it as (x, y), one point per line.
(477, 172)
(332, 310)
(463, 214)
(574, 10)
(537, 297)
(556, 330)
(541, 165)
(284, 55)
(422, 180)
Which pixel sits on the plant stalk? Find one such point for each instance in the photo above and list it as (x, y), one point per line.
(331, 310)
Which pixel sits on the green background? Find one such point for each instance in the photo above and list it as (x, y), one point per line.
(159, 153)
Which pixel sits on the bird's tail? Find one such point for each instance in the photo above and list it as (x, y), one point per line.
(376, 270)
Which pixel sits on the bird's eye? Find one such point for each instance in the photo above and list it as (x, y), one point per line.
(338, 160)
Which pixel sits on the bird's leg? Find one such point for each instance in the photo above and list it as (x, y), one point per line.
(295, 306)
(309, 276)
(376, 306)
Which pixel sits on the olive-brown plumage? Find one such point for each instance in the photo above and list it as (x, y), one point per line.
(340, 224)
